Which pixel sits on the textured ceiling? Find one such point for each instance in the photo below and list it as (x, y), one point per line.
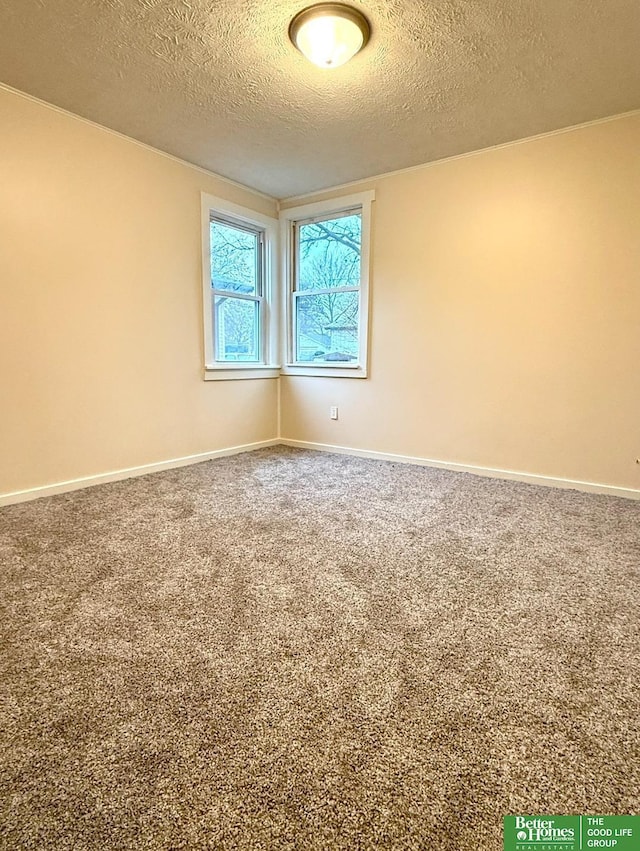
(217, 82)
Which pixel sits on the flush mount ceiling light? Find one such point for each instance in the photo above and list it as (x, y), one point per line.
(329, 34)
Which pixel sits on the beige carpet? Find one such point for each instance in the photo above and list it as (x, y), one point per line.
(292, 650)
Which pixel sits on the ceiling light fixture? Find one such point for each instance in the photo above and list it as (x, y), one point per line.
(329, 34)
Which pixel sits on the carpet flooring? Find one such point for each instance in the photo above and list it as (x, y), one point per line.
(296, 650)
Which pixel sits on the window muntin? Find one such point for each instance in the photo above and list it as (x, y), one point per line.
(237, 283)
(325, 295)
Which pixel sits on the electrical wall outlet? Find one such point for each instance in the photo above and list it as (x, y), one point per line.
(333, 412)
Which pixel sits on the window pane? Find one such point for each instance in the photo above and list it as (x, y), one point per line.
(237, 329)
(326, 328)
(235, 258)
(329, 253)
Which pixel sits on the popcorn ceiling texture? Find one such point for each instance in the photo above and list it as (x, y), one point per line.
(218, 83)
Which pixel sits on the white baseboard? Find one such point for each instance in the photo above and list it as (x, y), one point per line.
(128, 473)
(143, 470)
(530, 478)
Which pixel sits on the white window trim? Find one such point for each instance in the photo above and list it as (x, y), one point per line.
(269, 367)
(287, 220)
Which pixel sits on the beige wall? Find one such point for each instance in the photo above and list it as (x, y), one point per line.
(505, 314)
(101, 306)
(505, 326)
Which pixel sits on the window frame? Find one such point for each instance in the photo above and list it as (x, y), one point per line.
(290, 221)
(266, 228)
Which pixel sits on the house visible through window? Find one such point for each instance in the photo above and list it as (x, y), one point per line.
(326, 263)
(326, 289)
(296, 302)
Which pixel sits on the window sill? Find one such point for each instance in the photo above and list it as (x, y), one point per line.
(241, 371)
(253, 371)
(346, 371)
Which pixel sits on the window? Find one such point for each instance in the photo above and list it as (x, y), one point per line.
(239, 261)
(327, 271)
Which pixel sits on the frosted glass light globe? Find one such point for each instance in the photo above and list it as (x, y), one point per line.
(329, 34)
